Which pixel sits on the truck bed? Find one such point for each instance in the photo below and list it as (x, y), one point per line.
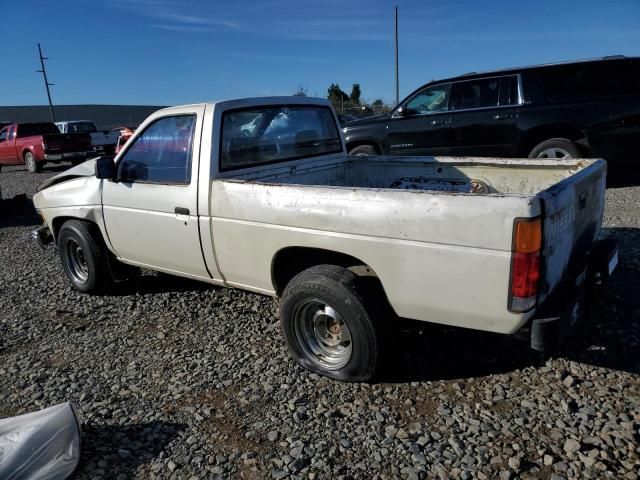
(438, 174)
(425, 224)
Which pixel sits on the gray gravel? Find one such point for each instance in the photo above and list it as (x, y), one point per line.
(175, 379)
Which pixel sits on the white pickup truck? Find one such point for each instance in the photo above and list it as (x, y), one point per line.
(259, 194)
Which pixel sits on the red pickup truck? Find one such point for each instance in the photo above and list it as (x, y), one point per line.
(33, 144)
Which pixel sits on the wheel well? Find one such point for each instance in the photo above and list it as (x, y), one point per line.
(536, 135)
(290, 261)
(56, 224)
(359, 143)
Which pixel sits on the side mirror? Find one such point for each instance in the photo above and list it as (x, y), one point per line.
(401, 112)
(105, 168)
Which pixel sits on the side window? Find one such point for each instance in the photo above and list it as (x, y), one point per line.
(588, 80)
(508, 90)
(3, 135)
(430, 100)
(162, 153)
(480, 93)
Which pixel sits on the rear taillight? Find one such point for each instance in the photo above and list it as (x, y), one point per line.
(525, 264)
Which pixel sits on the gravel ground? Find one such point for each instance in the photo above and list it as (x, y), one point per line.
(175, 379)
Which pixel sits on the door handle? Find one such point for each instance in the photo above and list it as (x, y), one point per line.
(181, 211)
(440, 122)
(502, 116)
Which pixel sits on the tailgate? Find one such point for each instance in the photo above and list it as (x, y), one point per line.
(572, 217)
(67, 142)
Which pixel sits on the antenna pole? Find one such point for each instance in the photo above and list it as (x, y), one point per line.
(46, 83)
(396, 45)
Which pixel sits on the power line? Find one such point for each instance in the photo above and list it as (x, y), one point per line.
(396, 45)
(46, 82)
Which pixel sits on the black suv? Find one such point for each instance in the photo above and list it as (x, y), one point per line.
(577, 109)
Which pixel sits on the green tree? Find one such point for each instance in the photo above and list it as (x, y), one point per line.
(355, 94)
(338, 97)
(378, 102)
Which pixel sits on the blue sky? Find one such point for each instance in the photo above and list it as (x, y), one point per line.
(168, 52)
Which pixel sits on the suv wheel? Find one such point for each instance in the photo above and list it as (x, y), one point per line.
(328, 328)
(363, 151)
(555, 148)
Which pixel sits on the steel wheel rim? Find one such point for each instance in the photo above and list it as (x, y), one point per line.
(30, 162)
(76, 261)
(322, 334)
(555, 153)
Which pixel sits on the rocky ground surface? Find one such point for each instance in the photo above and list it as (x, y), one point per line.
(175, 379)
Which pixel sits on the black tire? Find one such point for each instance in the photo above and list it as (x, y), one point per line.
(364, 150)
(84, 256)
(33, 165)
(555, 148)
(330, 288)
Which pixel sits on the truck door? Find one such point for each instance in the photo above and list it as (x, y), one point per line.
(424, 126)
(150, 212)
(4, 144)
(484, 115)
(8, 145)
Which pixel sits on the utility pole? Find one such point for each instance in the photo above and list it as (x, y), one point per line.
(46, 82)
(396, 44)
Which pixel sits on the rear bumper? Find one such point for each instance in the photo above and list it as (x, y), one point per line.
(563, 314)
(51, 157)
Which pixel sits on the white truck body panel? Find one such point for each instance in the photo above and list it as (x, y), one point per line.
(441, 256)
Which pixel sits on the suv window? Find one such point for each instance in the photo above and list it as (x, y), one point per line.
(508, 90)
(162, 153)
(478, 93)
(430, 100)
(588, 80)
(271, 134)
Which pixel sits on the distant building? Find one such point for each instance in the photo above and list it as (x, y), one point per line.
(104, 116)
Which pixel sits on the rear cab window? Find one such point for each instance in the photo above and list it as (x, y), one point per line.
(33, 129)
(273, 134)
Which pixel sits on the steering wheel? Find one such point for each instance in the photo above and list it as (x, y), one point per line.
(246, 133)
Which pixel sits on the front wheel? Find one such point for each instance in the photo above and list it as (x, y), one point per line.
(83, 256)
(327, 326)
(555, 148)
(33, 166)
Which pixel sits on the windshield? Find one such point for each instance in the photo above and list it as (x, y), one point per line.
(81, 127)
(276, 134)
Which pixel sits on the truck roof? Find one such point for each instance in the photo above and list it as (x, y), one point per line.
(248, 102)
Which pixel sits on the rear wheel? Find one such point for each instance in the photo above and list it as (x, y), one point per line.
(84, 256)
(363, 151)
(328, 328)
(32, 164)
(555, 148)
